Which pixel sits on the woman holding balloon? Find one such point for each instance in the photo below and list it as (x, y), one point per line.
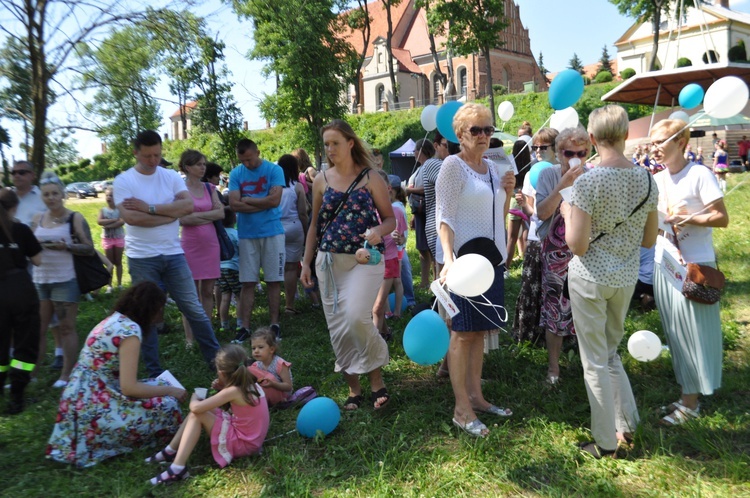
(612, 213)
(351, 207)
(573, 146)
(472, 200)
(691, 203)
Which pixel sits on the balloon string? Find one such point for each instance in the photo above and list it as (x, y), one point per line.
(493, 306)
(414, 168)
(693, 119)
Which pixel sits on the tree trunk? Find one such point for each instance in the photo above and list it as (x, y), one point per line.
(389, 39)
(442, 78)
(491, 93)
(450, 88)
(362, 56)
(655, 48)
(39, 87)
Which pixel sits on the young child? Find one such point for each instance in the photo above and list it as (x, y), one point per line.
(229, 281)
(271, 370)
(392, 277)
(113, 235)
(234, 434)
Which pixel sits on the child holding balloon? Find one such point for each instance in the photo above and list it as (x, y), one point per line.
(271, 370)
(233, 434)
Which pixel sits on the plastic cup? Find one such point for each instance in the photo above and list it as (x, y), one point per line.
(201, 392)
(566, 194)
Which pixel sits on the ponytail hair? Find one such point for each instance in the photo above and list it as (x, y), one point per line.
(232, 361)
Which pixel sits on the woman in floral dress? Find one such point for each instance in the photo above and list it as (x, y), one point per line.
(104, 410)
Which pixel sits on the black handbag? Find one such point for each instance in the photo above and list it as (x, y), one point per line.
(91, 273)
(226, 248)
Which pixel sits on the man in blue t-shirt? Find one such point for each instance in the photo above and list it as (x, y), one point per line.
(254, 194)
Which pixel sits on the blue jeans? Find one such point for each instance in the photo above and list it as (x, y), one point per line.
(406, 280)
(173, 273)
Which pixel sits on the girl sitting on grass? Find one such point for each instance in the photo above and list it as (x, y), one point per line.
(271, 370)
(236, 432)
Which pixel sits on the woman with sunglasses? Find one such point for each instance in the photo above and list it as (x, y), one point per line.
(573, 147)
(612, 214)
(472, 200)
(526, 319)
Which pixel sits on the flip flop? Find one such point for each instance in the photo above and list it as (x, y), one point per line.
(291, 311)
(474, 428)
(595, 450)
(496, 410)
(380, 393)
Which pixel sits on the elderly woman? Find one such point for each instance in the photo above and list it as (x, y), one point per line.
(612, 214)
(528, 304)
(472, 201)
(573, 147)
(351, 206)
(55, 277)
(690, 205)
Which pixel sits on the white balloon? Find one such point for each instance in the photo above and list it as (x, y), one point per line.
(726, 97)
(505, 111)
(429, 113)
(470, 275)
(644, 345)
(564, 119)
(682, 115)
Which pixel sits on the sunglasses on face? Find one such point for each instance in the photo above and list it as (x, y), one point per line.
(573, 153)
(477, 130)
(21, 172)
(539, 147)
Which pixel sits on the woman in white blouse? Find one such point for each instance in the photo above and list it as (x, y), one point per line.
(691, 201)
(472, 200)
(616, 200)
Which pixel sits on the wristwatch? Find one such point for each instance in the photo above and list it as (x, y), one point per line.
(151, 209)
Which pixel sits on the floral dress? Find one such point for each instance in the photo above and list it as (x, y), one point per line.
(556, 315)
(95, 420)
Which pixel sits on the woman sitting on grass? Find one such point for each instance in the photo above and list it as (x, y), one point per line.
(104, 410)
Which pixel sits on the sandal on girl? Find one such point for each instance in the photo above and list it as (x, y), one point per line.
(595, 450)
(380, 393)
(353, 400)
(171, 476)
(680, 415)
(161, 456)
(496, 410)
(474, 428)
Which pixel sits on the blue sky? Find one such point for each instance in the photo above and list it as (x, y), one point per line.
(557, 28)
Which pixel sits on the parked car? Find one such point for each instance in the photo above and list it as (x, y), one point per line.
(81, 190)
(101, 185)
(736, 166)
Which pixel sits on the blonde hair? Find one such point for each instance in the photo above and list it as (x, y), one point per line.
(609, 124)
(231, 360)
(573, 136)
(676, 127)
(49, 178)
(360, 154)
(303, 160)
(467, 114)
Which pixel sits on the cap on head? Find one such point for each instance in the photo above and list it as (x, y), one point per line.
(394, 181)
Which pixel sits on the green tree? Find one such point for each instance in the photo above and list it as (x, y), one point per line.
(312, 60)
(359, 20)
(575, 64)
(4, 142)
(122, 72)
(15, 96)
(439, 75)
(388, 4)
(472, 26)
(50, 31)
(543, 69)
(650, 10)
(604, 63)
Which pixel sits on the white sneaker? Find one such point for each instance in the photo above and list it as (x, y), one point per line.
(108, 290)
(89, 297)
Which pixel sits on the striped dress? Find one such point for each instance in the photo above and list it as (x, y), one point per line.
(430, 171)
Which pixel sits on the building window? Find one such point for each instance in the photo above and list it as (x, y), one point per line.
(462, 81)
(435, 89)
(379, 96)
(380, 58)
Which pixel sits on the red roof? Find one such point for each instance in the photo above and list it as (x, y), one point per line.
(189, 106)
(379, 25)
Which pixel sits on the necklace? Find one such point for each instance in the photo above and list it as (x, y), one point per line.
(59, 220)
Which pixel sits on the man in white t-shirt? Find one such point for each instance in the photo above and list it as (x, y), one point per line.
(151, 200)
(29, 196)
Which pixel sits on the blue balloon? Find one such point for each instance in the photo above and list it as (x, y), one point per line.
(426, 338)
(565, 89)
(536, 170)
(444, 119)
(320, 414)
(392, 301)
(691, 96)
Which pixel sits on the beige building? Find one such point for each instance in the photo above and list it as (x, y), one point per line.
(513, 64)
(703, 35)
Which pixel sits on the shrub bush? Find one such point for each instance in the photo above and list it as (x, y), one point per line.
(684, 62)
(737, 53)
(498, 89)
(627, 73)
(603, 77)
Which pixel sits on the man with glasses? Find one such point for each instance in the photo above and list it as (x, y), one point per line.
(29, 195)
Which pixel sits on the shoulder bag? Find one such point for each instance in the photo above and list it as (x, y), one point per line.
(226, 248)
(703, 284)
(91, 273)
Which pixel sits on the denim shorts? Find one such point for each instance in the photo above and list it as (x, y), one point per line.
(61, 292)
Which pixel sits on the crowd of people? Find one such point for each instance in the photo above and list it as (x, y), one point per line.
(342, 233)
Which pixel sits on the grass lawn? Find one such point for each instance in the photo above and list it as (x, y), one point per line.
(412, 449)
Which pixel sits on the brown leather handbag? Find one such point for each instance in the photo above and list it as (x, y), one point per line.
(703, 284)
